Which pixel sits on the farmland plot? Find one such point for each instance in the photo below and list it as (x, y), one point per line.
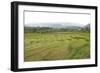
(56, 46)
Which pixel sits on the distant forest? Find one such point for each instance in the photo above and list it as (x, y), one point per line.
(86, 28)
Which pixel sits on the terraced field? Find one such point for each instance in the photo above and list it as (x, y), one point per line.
(56, 46)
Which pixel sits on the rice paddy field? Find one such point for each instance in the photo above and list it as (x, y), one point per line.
(56, 46)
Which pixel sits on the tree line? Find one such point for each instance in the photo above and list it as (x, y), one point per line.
(48, 29)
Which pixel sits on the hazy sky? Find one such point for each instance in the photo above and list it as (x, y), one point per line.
(43, 17)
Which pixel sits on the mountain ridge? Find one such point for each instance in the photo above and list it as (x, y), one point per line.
(54, 25)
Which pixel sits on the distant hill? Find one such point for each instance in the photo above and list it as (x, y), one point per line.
(87, 26)
(56, 25)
